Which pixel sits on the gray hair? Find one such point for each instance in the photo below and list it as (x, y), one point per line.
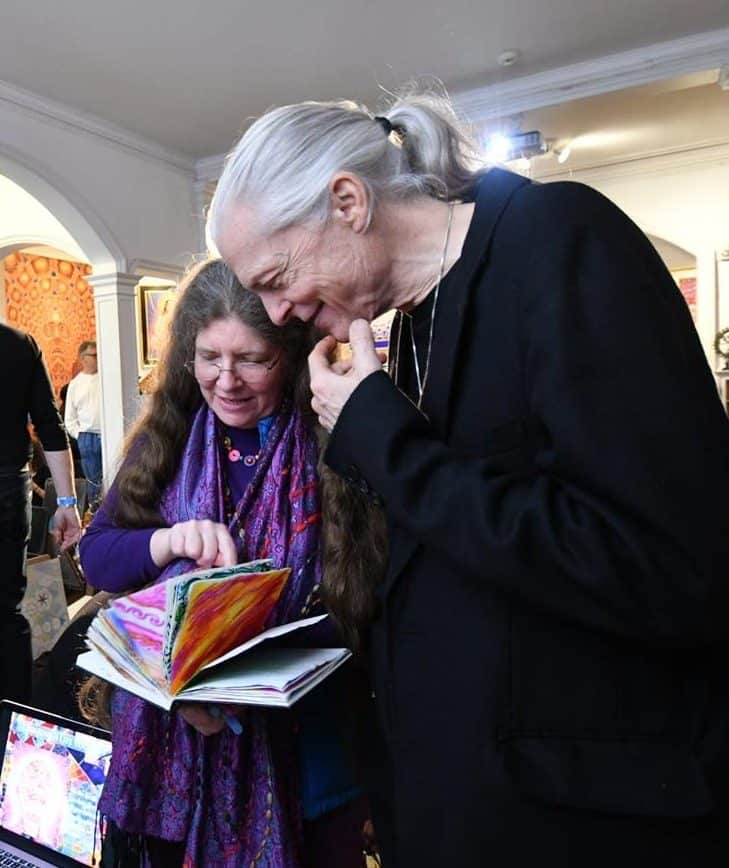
(210, 292)
(284, 162)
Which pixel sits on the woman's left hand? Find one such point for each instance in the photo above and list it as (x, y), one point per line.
(332, 383)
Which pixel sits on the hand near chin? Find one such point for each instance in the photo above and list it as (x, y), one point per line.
(332, 383)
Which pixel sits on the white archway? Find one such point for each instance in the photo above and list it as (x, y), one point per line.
(674, 255)
(12, 243)
(68, 206)
(114, 290)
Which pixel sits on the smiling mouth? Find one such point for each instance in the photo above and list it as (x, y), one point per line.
(235, 402)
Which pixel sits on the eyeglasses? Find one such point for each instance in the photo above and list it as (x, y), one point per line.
(251, 372)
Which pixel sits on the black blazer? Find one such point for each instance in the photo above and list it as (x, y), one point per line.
(550, 656)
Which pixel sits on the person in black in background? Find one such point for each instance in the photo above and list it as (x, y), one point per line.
(27, 393)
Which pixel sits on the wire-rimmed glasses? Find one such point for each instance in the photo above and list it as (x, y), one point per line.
(209, 370)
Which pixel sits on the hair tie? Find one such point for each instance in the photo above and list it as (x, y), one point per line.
(384, 123)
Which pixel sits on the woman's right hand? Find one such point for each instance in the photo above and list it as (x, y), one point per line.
(200, 718)
(208, 543)
(212, 719)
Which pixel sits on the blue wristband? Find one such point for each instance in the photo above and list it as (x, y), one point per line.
(66, 501)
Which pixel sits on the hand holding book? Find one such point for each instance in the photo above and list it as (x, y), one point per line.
(212, 719)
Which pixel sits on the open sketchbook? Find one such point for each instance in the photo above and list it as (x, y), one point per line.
(201, 637)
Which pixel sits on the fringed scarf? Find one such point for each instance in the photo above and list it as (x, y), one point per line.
(232, 799)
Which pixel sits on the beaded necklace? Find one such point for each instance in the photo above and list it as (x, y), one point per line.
(234, 454)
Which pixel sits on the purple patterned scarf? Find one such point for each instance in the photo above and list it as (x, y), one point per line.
(232, 799)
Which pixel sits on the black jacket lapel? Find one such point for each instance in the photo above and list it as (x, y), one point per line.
(492, 197)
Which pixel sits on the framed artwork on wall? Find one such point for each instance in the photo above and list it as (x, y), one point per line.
(156, 304)
(686, 280)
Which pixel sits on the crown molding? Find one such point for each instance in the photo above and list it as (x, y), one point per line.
(113, 283)
(152, 268)
(61, 115)
(600, 75)
(209, 169)
(658, 162)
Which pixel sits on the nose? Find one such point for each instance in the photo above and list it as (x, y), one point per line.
(278, 309)
(227, 379)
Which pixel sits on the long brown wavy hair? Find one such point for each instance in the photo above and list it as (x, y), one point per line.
(354, 556)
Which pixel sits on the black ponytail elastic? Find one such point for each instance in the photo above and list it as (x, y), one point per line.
(384, 123)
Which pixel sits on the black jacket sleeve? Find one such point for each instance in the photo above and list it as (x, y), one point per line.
(618, 526)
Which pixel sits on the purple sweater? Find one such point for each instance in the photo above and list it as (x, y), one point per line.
(118, 559)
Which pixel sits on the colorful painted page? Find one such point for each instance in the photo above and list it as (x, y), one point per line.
(219, 616)
(177, 597)
(133, 627)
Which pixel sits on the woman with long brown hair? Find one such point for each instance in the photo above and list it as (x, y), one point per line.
(220, 469)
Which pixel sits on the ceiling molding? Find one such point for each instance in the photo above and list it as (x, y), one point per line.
(652, 163)
(61, 115)
(592, 77)
(209, 168)
(151, 268)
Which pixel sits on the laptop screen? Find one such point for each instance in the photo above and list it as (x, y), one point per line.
(50, 783)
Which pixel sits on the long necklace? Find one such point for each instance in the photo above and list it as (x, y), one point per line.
(423, 381)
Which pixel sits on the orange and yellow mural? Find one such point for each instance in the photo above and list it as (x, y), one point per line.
(51, 299)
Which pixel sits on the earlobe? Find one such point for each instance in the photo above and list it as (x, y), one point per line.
(349, 201)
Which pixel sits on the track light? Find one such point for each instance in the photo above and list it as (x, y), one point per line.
(498, 148)
(563, 154)
(501, 148)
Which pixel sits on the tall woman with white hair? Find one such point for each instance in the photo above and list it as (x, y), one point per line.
(546, 634)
